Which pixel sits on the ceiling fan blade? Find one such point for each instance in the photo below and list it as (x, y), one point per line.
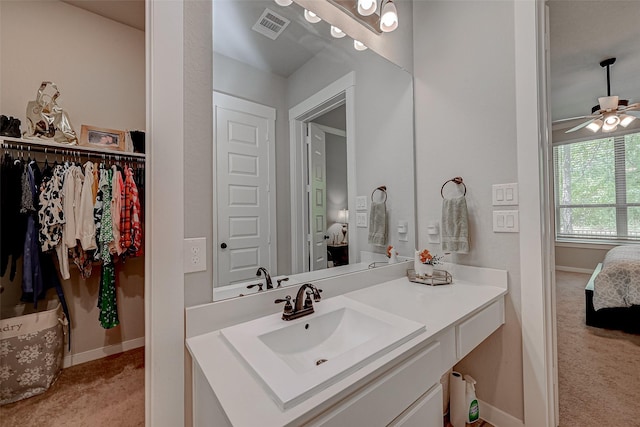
(580, 126)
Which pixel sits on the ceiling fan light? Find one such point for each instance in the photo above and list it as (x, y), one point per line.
(337, 32)
(611, 120)
(284, 2)
(626, 119)
(595, 125)
(311, 17)
(358, 45)
(367, 7)
(389, 17)
(608, 102)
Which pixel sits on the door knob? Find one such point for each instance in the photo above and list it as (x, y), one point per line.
(223, 245)
(326, 237)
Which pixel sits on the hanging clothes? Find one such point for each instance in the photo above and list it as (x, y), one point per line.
(51, 214)
(13, 225)
(107, 300)
(86, 227)
(32, 284)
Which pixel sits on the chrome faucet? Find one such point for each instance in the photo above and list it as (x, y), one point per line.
(267, 276)
(302, 305)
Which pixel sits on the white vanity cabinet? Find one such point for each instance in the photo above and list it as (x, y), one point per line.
(400, 388)
(384, 399)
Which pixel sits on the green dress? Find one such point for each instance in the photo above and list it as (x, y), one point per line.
(107, 296)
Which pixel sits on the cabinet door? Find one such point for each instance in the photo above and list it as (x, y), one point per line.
(425, 412)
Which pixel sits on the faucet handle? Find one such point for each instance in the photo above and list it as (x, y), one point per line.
(259, 285)
(288, 308)
(285, 279)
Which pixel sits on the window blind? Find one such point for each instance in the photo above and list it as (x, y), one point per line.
(597, 188)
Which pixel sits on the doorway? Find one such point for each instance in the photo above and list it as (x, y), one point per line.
(310, 218)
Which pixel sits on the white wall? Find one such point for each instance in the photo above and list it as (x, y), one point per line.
(465, 126)
(99, 67)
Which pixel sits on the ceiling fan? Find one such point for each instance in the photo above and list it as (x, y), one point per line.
(610, 111)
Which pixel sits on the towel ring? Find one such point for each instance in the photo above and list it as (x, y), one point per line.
(457, 180)
(382, 188)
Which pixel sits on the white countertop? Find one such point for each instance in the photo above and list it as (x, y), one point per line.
(244, 400)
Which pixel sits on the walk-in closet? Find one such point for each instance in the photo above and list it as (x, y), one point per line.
(58, 248)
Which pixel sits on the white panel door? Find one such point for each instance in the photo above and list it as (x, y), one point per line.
(244, 210)
(317, 198)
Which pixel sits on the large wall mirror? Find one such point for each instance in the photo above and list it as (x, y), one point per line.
(306, 128)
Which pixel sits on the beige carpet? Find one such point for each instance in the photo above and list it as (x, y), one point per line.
(598, 369)
(105, 392)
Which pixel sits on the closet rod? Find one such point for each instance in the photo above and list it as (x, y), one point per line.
(16, 143)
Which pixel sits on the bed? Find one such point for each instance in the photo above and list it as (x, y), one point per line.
(612, 295)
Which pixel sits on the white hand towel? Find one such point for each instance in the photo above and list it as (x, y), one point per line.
(378, 224)
(455, 225)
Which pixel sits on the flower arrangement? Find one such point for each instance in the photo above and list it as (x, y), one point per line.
(390, 251)
(427, 258)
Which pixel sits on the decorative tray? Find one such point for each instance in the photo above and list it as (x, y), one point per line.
(439, 277)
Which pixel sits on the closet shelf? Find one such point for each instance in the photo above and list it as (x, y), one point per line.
(59, 146)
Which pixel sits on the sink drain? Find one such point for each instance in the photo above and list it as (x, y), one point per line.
(320, 361)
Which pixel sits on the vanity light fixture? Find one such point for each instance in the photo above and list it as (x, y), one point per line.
(311, 17)
(337, 32)
(284, 3)
(388, 17)
(367, 7)
(358, 45)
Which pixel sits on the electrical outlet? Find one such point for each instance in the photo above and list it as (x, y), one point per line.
(195, 255)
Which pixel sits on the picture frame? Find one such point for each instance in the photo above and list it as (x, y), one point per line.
(95, 137)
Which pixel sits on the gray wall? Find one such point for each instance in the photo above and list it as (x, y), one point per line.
(240, 80)
(464, 72)
(384, 125)
(336, 156)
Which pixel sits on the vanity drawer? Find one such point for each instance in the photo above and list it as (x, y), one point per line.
(425, 412)
(382, 400)
(477, 328)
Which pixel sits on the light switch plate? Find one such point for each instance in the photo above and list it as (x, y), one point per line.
(361, 219)
(504, 194)
(195, 255)
(506, 221)
(361, 203)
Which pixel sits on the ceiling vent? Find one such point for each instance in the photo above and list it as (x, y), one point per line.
(270, 24)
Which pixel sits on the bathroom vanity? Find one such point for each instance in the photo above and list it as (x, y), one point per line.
(399, 386)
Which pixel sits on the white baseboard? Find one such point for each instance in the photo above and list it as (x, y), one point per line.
(497, 417)
(99, 353)
(574, 269)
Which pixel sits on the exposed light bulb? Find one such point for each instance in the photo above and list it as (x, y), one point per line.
(389, 17)
(595, 125)
(337, 32)
(358, 45)
(284, 2)
(367, 7)
(625, 120)
(311, 17)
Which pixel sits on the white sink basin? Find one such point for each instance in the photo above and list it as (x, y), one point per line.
(296, 359)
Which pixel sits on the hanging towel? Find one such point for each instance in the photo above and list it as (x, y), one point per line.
(378, 224)
(455, 225)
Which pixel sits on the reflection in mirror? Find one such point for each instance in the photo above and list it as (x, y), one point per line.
(283, 201)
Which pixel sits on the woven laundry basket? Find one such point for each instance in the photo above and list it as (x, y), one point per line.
(31, 351)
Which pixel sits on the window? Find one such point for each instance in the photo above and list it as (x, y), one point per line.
(597, 188)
